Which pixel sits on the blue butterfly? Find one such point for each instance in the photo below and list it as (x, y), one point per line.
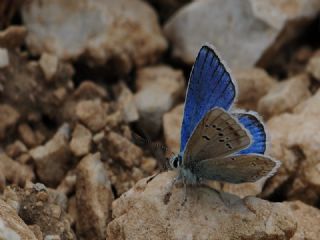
(217, 143)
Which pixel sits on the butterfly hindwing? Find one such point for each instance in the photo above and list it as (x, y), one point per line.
(210, 86)
(237, 169)
(218, 134)
(256, 129)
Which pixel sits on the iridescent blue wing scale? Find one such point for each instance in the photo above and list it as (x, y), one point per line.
(256, 129)
(210, 86)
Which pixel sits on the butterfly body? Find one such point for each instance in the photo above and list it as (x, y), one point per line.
(216, 142)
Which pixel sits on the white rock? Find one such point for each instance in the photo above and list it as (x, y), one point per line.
(81, 141)
(127, 105)
(171, 127)
(159, 88)
(52, 159)
(126, 31)
(253, 83)
(49, 65)
(285, 96)
(93, 198)
(242, 31)
(294, 141)
(4, 58)
(313, 66)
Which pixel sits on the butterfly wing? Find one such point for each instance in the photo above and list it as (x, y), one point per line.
(237, 169)
(210, 86)
(253, 124)
(218, 134)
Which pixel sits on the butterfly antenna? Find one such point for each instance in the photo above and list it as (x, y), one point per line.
(159, 151)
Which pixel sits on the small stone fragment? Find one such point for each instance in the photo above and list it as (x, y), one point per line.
(284, 96)
(12, 37)
(53, 158)
(27, 135)
(152, 103)
(93, 198)
(171, 127)
(49, 65)
(162, 76)
(12, 227)
(92, 113)
(126, 104)
(4, 58)
(159, 88)
(15, 149)
(67, 185)
(80, 144)
(122, 150)
(253, 84)
(42, 207)
(148, 165)
(90, 90)
(313, 66)
(8, 119)
(14, 172)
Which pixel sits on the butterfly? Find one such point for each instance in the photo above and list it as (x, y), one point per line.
(218, 143)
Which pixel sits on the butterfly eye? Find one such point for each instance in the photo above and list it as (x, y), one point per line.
(175, 162)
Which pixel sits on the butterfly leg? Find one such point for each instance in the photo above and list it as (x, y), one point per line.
(184, 191)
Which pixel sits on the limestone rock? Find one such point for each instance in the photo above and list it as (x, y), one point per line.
(4, 58)
(206, 214)
(105, 24)
(285, 96)
(15, 149)
(313, 66)
(12, 37)
(93, 198)
(12, 226)
(126, 104)
(171, 127)
(92, 113)
(163, 76)
(8, 118)
(81, 141)
(52, 159)
(244, 32)
(307, 218)
(42, 208)
(27, 135)
(13, 172)
(49, 65)
(159, 88)
(253, 84)
(90, 90)
(294, 142)
(122, 150)
(278, 13)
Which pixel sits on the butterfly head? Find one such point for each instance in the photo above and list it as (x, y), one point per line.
(176, 161)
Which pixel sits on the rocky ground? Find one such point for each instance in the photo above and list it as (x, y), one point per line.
(78, 77)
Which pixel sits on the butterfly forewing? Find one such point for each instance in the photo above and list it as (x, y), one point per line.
(210, 86)
(217, 135)
(237, 169)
